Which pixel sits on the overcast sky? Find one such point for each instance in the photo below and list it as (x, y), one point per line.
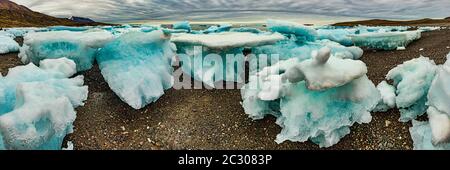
(127, 10)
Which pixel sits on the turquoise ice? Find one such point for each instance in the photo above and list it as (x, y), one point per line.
(37, 104)
(385, 40)
(412, 80)
(184, 25)
(137, 66)
(316, 99)
(8, 45)
(80, 47)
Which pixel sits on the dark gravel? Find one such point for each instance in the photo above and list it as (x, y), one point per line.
(214, 119)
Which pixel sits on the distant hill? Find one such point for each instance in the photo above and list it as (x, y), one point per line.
(380, 22)
(14, 15)
(81, 19)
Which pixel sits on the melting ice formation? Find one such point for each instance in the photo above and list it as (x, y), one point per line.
(385, 40)
(80, 47)
(8, 44)
(412, 80)
(137, 66)
(308, 102)
(212, 68)
(435, 134)
(39, 119)
(329, 83)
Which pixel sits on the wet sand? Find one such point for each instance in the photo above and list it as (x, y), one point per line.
(214, 119)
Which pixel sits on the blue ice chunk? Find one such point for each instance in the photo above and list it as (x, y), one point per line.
(80, 47)
(217, 29)
(184, 25)
(387, 92)
(439, 93)
(422, 137)
(218, 57)
(137, 66)
(67, 28)
(246, 29)
(322, 115)
(412, 80)
(385, 40)
(8, 45)
(338, 35)
(439, 110)
(303, 33)
(39, 119)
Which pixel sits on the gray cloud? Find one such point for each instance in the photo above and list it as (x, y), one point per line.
(126, 10)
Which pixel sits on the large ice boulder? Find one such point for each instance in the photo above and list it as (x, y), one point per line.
(439, 109)
(412, 80)
(303, 33)
(422, 137)
(8, 45)
(308, 102)
(81, 47)
(338, 35)
(387, 92)
(184, 25)
(137, 66)
(218, 57)
(37, 104)
(385, 40)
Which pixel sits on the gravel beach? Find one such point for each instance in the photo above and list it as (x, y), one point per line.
(214, 119)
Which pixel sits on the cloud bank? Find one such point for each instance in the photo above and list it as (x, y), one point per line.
(128, 10)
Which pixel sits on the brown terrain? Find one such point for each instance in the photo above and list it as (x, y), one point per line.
(214, 119)
(14, 15)
(380, 22)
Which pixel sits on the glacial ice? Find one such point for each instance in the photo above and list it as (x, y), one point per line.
(439, 109)
(303, 33)
(182, 25)
(322, 72)
(68, 28)
(137, 66)
(412, 80)
(246, 29)
(338, 35)
(8, 45)
(80, 47)
(217, 29)
(227, 40)
(387, 92)
(385, 40)
(39, 119)
(200, 62)
(422, 137)
(323, 115)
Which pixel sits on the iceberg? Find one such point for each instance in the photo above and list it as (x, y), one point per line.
(387, 92)
(422, 137)
(412, 80)
(218, 29)
(182, 25)
(385, 40)
(215, 57)
(39, 119)
(307, 102)
(338, 35)
(227, 40)
(137, 66)
(303, 33)
(246, 29)
(67, 28)
(439, 109)
(8, 45)
(81, 47)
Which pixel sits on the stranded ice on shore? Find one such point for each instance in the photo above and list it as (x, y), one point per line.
(315, 85)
